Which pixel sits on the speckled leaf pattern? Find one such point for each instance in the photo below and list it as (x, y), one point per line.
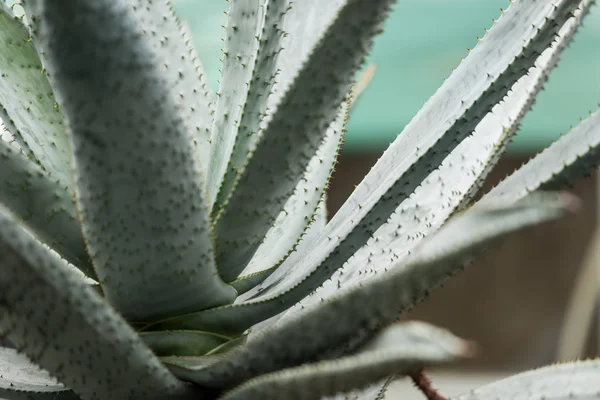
(578, 380)
(141, 199)
(301, 208)
(569, 158)
(27, 105)
(438, 197)
(259, 87)
(61, 324)
(45, 204)
(22, 380)
(359, 312)
(477, 84)
(181, 70)
(242, 39)
(397, 351)
(295, 130)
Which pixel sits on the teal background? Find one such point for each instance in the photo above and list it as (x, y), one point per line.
(423, 40)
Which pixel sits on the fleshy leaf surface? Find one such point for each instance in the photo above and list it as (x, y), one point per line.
(27, 105)
(398, 351)
(293, 134)
(401, 169)
(61, 324)
(451, 187)
(140, 194)
(45, 204)
(22, 380)
(360, 312)
(561, 164)
(570, 381)
(245, 119)
(242, 39)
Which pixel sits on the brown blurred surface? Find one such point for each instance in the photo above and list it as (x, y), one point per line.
(512, 300)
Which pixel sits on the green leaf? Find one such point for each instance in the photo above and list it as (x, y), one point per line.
(141, 199)
(361, 311)
(435, 130)
(27, 105)
(253, 44)
(561, 164)
(293, 134)
(570, 381)
(186, 343)
(402, 349)
(62, 325)
(182, 71)
(45, 204)
(22, 380)
(451, 187)
(300, 210)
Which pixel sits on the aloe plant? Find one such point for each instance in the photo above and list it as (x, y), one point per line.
(161, 241)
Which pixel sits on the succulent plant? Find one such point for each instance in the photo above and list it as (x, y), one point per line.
(161, 241)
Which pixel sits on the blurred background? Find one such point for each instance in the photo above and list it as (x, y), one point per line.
(534, 300)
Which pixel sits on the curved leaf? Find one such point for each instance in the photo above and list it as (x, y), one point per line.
(451, 187)
(61, 324)
(398, 352)
(140, 195)
(299, 212)
(44, 204)
(561, 164)
(254, 35)
(291, 282)
(27, 105)
(570, 381)
(22, 380)
(359, 313)
(292, 136)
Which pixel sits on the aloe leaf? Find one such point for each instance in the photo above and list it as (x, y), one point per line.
(397, 352)
(561, 164)
(570, 381)
(27, 105)
(367, 306)
(45, 204)
(504, 55)
(300, 210)
(252, 48)
(184, 74)
(22, 380)
(63, 326)
(297, 126)
(451, 187)
(141, 199)
(186, 343)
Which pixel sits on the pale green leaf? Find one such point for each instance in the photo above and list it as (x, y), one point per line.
(245, 87)
(360, 312)
(61, 324)
(22, 380)
(45, 204)
(302, 208)
(182, 71)
(27, 105)
(140, 194)
(568, 159)
(404, 348)
(570, 381)
(451, 187)
(245, 21)
(296, 129)
(395, 175)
